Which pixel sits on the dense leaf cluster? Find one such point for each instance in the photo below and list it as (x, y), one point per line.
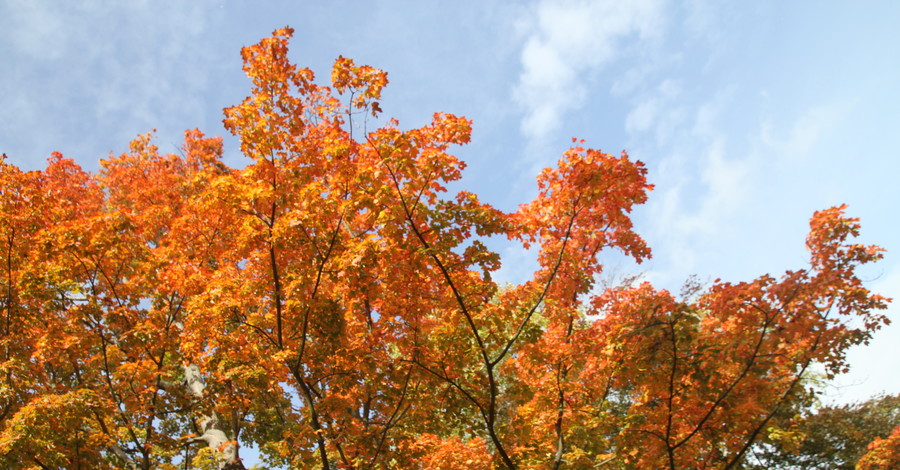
(831, 437)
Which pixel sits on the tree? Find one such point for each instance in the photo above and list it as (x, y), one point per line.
(831, 437)
(883, 454)
(331, 303)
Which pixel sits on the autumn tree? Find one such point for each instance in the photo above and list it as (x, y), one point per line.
(882, 454)
(829, 437)
(332, 304)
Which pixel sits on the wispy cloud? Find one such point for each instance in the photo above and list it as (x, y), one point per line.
(127, 69)
(566, 42)
(701, 180)
(806, 131)
(719, 174)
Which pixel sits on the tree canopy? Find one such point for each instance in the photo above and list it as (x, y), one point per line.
(830, 437)
(332, 304)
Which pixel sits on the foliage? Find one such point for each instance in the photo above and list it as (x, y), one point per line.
(883, 454)
(333, 304)
(832, 437)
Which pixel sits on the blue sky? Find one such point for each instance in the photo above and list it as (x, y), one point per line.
(749, 115)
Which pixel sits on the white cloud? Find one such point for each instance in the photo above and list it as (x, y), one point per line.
(725, 184)
(806, 131)
(727, 181)
(567, 42)
(709, 114)
(659, 113)
(701, 184)
(88, 66)
(35, 30)
(716, 179)
(703, 19)
(643, 116)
